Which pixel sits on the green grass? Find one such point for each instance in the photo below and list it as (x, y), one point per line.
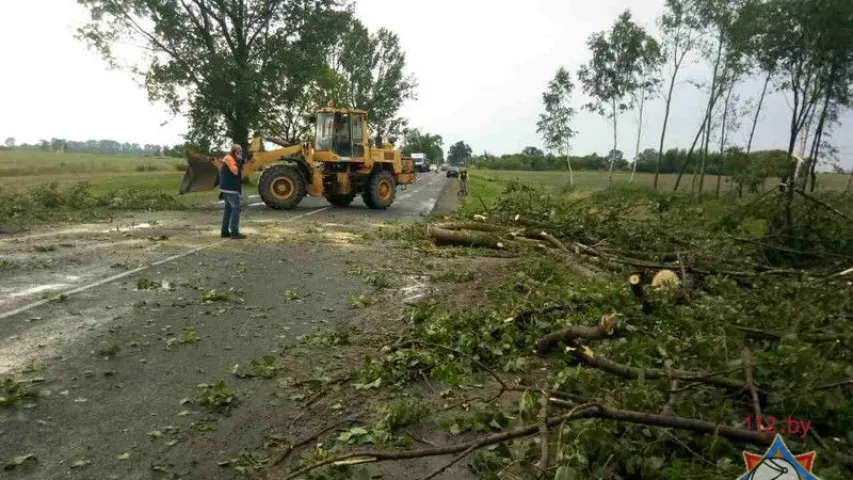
(22, 172)
(15, 163)
(587, 180)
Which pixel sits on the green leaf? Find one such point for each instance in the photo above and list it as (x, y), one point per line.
(565, 473)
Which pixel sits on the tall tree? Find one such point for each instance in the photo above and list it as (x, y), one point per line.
(715, 18)
(10, 142)
(371, 76)
(459, 153)
(807, 44)
(837, 74)
(680, 35)
(415, 141)
(619, 58)
(219, 61)
(555, 124)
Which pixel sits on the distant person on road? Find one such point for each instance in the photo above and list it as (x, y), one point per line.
(230, 184)
(463, 181)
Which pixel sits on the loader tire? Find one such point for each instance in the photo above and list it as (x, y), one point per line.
(281, 187)
(380, 191)
(340, 200)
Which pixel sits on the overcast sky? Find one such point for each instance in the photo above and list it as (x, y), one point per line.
(481, 66)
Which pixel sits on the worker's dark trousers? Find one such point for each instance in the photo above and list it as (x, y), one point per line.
(231, 214)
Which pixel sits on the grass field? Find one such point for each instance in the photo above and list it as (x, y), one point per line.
(25, 171)
(586, 180)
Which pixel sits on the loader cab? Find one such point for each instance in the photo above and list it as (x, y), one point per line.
(341, 132)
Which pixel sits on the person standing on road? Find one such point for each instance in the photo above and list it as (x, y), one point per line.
(463, 181)
(230, 184)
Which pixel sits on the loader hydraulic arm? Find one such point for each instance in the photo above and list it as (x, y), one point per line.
(203, 170)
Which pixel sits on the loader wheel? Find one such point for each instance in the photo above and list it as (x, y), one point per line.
(379, 191)
(340, 200)
(281, 187)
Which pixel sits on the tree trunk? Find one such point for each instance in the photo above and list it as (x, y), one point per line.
(639, 135)
(757, 111)
(569, 164)
(723, 139)
(665, 122)
(705, 134)
(821, 124)
(613, 153)
(710, 111)
(689, 155)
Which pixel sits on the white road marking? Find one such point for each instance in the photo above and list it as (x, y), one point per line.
(127, 229)
(135, 270)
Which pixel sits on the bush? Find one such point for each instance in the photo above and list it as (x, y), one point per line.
(50, 203)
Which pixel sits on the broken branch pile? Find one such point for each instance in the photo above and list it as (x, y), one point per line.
(652, 377)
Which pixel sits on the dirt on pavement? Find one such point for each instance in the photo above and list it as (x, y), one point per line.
(122, 369)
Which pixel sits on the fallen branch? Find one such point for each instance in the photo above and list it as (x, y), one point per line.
(469, 238)
(842, 383)
(488, 370)
(591, 360)
(544, 434)
(820, 202)
(750, 383)
(843, 273)
(606, 328)
(808, 338)
(474, 226)
(523, 317)
(578, 413)
(376, 456)
(543, 235)
(685, 281)
(306, 440)
(451, 463)
(672, 399)
(614, 260)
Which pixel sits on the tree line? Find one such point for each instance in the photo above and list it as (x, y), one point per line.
(801, 48)
(105, 147)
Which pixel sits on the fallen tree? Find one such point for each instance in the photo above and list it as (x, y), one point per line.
(706, 331)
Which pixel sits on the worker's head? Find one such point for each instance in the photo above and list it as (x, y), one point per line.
(236, 150)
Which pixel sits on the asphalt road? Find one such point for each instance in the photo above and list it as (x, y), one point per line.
(414, 200)
(108, 359)
(63, 260)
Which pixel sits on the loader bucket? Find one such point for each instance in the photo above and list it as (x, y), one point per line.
(202, 173)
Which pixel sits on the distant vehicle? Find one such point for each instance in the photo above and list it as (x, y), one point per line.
(421, 162)
(452, 172)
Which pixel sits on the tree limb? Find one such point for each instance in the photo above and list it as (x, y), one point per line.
(842, 383)
(750, 383)
(544, 434)
(578, 413)
(672, 399)
(606, 328)
(634, 373)
(820, 202)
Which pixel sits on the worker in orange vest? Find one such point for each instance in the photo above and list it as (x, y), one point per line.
(230, 184)
(463, 182)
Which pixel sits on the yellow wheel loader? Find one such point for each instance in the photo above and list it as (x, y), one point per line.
(339, 165)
